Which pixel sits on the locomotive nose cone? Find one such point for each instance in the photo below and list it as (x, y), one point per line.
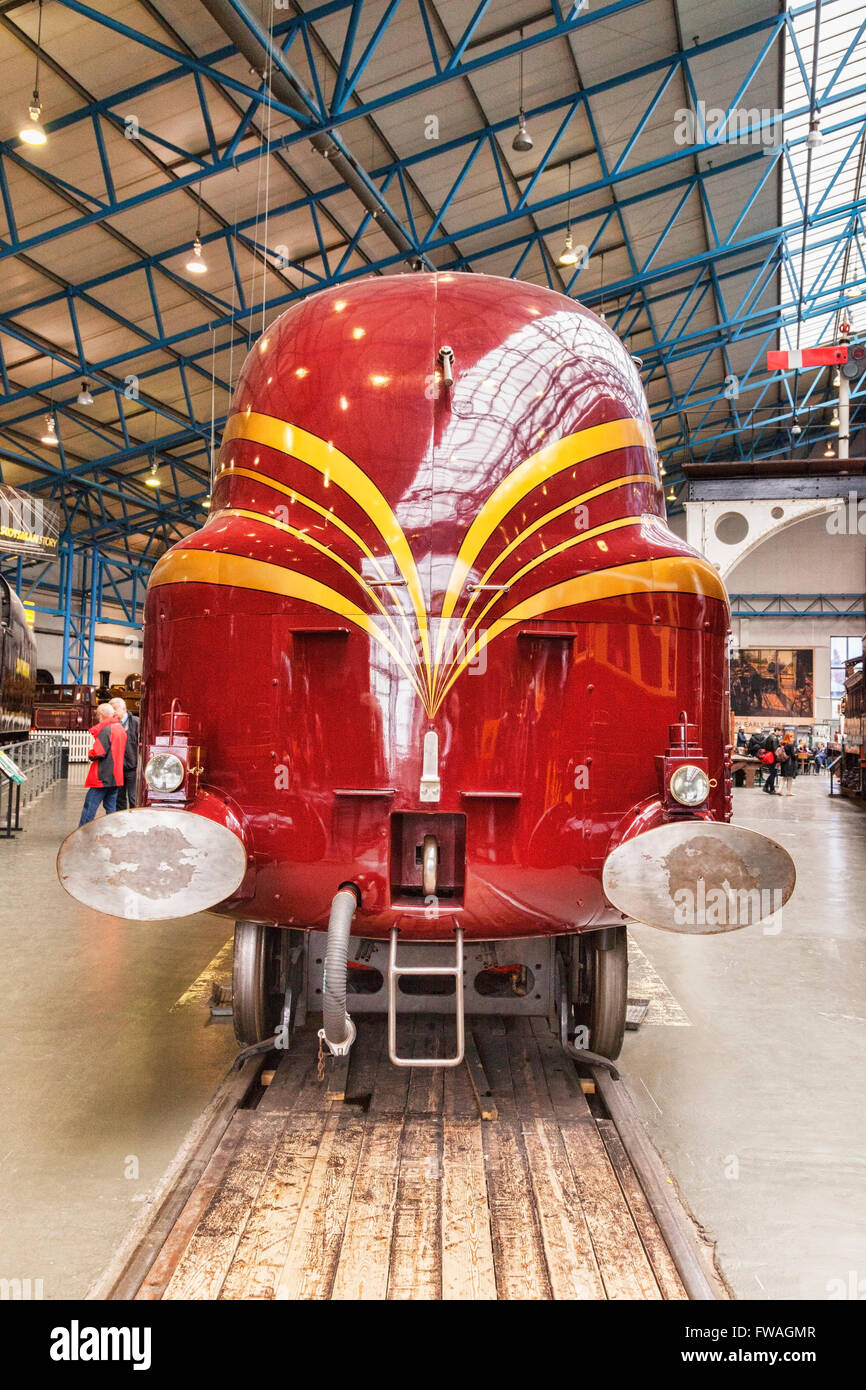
(148, 865)
(698, 877)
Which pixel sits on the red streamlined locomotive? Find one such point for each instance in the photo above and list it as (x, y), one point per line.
(435, 670)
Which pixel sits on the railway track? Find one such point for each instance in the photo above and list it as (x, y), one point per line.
(507, 1178)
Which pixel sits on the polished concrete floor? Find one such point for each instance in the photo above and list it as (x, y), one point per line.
(751, 1082)
(103, 1069)
(748, 1070)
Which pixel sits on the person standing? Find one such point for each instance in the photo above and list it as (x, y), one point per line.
(129, 722)
(788, 763)
(771, 745)
(105, 773)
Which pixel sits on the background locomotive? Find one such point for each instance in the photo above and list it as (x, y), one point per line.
(17, 666)
(435, 668)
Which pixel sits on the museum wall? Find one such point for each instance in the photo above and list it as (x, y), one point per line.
(806, 558)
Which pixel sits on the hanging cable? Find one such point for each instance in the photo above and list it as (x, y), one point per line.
(270, 107)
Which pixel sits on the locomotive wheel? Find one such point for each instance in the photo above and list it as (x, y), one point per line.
(601, 991)
(257, 996)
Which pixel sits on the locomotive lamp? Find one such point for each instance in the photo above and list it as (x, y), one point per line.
(173, 765)
(164, 772)
(683, 771)
(689, 785)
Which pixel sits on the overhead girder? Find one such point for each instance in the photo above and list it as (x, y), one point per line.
(638, 295)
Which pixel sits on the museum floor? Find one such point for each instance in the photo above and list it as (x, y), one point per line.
(747, 1071)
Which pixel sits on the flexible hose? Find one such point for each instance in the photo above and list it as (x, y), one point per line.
(338, 1027)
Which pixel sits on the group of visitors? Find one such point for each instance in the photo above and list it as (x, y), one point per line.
(113, 755)
(783, 756)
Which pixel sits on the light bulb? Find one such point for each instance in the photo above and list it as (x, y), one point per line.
(568, 255)
(32, 131)
(522, 140)
(814, 139)
(153, 480)
(50, 435)
(196, 265)
(84, 397)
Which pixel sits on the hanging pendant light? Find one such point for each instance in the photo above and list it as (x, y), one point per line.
(522, 141)
(568, 255)
(197, 265)
(84, 397)
(153, 479)
(49, 435)
(834, 421)
(32, 132)
(829, 452)
(796, 427)
(814, 140)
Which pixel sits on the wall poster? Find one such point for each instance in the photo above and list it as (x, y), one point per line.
(772, 681)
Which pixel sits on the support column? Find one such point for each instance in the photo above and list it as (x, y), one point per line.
(67, 564)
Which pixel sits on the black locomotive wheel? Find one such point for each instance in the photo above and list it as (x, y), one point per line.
(257, 996)
(601, 990)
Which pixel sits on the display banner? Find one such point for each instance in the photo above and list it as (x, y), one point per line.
(28, 525)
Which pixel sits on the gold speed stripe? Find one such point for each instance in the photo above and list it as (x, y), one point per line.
(676, 574)
(217, 567)
(536, 526)
(554, 458)
(552, 516)
(294, 496)
(324, 550)
(330, 462)
(548, 555)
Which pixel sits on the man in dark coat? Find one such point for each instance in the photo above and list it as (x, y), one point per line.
(126, 792)
(771, 744)
(105, 773)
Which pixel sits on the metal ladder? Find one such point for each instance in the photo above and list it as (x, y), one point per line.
(394, 973)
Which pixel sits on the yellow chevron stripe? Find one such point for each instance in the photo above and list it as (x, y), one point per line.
(536, 525)
(568, 506)
(323, 549)
(547, 555)
(538, 468)
(218, 567)
(294, 496)
(677, 574)
(337, 466)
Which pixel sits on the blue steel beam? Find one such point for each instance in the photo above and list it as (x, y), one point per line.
(644, 289)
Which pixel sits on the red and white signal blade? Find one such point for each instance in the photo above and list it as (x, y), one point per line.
(808, 357)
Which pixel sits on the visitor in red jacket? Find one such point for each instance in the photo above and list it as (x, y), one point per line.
(105, 774)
